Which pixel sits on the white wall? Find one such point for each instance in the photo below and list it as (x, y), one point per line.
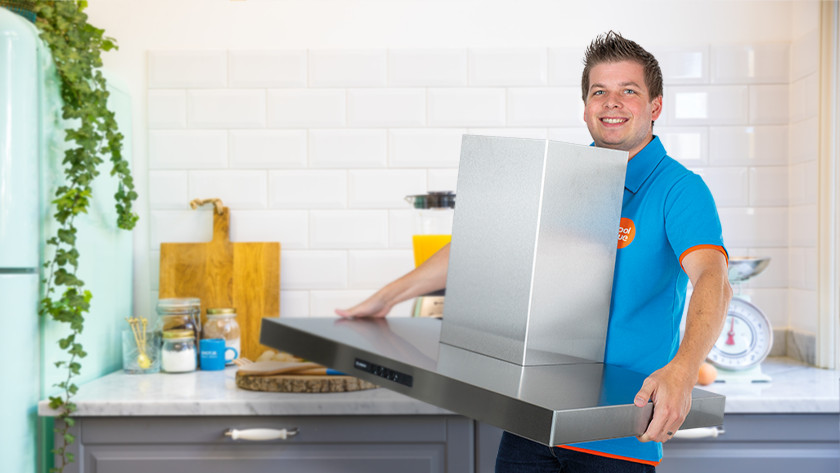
(802, 171)
(349, 97)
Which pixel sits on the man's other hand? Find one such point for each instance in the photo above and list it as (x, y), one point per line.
(669, 388)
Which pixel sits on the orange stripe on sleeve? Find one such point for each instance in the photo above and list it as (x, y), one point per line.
(704, 247)
(609, 455)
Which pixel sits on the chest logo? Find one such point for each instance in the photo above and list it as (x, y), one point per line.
(626, 232)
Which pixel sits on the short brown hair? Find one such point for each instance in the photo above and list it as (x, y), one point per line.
(612, 47)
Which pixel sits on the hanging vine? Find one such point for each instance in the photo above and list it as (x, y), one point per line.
(76, 47)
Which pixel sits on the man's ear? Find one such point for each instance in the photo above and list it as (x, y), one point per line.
(656, 108)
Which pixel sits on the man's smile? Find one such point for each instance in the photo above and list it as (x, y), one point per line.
(613, 121)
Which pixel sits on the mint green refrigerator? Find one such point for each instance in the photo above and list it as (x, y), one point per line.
(31, 150)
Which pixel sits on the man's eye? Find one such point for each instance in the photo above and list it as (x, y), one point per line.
(629, 91)
(598, 92)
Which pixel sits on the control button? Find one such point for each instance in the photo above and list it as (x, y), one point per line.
(383, 372)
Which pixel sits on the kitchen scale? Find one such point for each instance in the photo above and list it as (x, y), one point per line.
(747, 335)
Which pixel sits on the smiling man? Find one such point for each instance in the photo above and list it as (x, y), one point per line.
(669, 234)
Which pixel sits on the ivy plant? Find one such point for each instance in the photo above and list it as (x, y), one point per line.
(76, 46)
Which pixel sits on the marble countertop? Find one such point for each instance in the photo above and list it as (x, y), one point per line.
(795, 388)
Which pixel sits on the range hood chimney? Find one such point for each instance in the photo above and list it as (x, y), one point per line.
(533, 249)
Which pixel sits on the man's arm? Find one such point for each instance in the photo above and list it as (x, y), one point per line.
(424, 279)
(670, 387)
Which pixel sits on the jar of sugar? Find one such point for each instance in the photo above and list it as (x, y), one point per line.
(221, 323)
(179, 353)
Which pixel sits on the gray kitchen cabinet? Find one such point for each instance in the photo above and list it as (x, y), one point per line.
(768, 443)
(369, 444)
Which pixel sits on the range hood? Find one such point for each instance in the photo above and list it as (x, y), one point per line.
(522, 339)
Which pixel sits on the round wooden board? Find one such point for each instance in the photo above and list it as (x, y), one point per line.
(301, 384)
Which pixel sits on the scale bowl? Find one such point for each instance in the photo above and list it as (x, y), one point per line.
(745, 267)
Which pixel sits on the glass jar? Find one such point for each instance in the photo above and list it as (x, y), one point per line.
(221, 323)
(178, 354)
(181, 313)
(432, 223)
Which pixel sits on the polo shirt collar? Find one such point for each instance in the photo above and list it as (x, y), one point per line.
(640, 167)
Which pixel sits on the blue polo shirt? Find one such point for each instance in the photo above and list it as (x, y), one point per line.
(667, 213)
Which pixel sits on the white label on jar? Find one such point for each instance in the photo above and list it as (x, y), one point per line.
(178, 361)
(229, 356)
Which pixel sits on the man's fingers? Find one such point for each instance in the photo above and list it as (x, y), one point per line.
(665, 422)
(644, 394)
(655, 428)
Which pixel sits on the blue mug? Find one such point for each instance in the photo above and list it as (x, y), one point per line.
(212, 353)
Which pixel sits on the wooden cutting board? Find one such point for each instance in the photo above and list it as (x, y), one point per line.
(245, 276)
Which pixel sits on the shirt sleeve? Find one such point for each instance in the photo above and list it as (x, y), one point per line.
(691, 218)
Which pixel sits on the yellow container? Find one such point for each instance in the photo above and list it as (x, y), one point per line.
(427, 245)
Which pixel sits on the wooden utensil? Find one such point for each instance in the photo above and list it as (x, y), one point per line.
(245, 276)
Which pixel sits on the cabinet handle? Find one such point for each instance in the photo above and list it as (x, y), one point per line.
(699, 433)
(261, 434)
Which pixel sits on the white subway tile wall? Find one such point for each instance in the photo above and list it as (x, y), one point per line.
(261, 69)
(319, 189)
(237, 189)
(226, 108)
(317, 149)
(348, 148)
(508, 67)
(427, 67)
(167, 109)
(802, 177)
(348, 68)
(267, 149)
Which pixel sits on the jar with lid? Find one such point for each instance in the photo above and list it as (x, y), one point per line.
(181, 313)
(221, 323)
(178, 354)
(432, 223)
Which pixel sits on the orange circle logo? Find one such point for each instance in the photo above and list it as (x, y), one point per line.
(626, 232)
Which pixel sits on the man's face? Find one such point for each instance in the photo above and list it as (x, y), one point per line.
(618, 109)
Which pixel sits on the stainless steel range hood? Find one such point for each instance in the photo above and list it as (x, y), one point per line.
(528, 289)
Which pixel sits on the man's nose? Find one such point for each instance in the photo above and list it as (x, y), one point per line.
(613, 101)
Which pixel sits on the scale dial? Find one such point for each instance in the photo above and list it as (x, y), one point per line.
(746, 338)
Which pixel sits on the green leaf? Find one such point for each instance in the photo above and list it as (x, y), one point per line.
(56, 402)
(65, 342)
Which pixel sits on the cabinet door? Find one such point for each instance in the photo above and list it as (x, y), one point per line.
(487, 438)
(768, 443)
(349, 458)
(404, 444)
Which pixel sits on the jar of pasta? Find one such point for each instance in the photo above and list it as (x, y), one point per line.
(221, 323)
(180, 313)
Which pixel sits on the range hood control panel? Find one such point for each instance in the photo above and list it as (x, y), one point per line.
(382, 372)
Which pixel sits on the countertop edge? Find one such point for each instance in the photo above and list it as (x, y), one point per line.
(796, 389)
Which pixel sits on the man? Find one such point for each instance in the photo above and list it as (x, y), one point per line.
(670, 233)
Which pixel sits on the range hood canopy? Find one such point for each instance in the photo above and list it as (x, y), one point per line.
(528, 288)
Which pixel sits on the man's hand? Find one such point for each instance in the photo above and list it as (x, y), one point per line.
(373, 306)
(426, 278)
(670, 390)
